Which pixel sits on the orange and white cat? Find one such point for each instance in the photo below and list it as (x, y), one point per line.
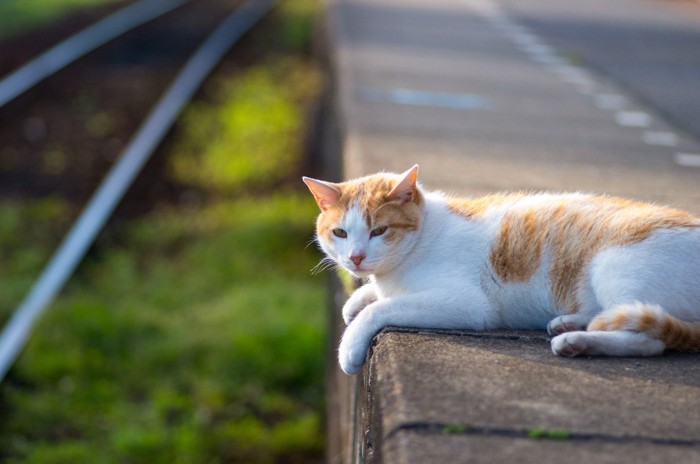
(606, 276)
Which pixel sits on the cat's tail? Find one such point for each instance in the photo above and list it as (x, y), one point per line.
(652, 319)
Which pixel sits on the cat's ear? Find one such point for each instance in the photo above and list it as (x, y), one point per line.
(405, 190)
(325, 193)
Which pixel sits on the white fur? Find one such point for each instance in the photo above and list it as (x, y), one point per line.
(614, 343)
(440, 276)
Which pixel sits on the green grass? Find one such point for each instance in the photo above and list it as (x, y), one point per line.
(540, 433)
(28, 233)
(452, 429)
(20, 16)
(199, 337)
(246, 140)
(195, 333)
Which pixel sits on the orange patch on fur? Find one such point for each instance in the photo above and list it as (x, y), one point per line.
(573, 231)
(517, 252)
(675, 333)
(600, 322)
(619, 321)
(679, 335)
(647, 321)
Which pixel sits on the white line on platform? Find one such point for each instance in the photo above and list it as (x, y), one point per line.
(525, 39)
(571, 72)
(538, 49)
(578, 79)
(633, 119)
(548, 59)
(662, 138)
(459, 101)
(610, 101)
(691, 160)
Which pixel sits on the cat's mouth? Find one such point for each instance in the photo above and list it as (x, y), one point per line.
(359, 270)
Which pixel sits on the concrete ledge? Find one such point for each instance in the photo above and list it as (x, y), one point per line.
(501, 396)
(488, 397)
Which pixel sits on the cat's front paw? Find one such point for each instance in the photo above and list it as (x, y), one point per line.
(351, 357)
(350, 310)
(355, 344)
(570, 344)
(359, 300)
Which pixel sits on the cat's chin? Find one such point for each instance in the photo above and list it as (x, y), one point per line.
(360, 273)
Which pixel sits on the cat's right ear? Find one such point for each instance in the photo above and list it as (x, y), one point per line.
(325, 193)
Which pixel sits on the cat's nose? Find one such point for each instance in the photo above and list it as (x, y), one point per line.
(357, 259)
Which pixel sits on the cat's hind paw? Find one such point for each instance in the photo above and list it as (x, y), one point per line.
(567, 323)
(615, 343)
(570, 344)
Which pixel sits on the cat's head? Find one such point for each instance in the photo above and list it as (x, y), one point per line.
(368, 225)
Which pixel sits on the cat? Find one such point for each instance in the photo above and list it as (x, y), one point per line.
(603, 275)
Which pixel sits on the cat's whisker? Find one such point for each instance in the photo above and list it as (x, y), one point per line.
(323, 265)
(311, 242)
(322, 269)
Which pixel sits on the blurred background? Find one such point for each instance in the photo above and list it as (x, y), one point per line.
(193, 331)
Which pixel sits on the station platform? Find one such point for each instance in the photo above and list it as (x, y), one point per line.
(492, 96)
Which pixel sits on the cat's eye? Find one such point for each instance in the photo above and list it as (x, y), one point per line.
(378, 231)
(340, 233)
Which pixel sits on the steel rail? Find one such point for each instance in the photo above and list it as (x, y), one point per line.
(100, 207)
(81, 43)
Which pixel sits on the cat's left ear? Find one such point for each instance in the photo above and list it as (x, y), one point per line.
(324, 192)
(405, 190)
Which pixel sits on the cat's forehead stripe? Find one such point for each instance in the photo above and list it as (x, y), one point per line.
(369, 194)
(354, 218)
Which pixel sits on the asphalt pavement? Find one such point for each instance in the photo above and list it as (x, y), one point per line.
(485, 103)
(493, 95)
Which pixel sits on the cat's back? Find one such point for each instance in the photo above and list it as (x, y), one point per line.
(571, 228)
(560, 217)
(559, 234)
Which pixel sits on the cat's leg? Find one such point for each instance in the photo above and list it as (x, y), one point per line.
(615, 343)
(614, 332)
(359, 299)
(444, 309)
(568, 323)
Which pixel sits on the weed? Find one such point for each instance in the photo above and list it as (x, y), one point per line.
(452, 429)
(540, 433)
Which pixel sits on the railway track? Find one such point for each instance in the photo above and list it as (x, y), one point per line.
(63, 134)
(81, 43)
(106, 112)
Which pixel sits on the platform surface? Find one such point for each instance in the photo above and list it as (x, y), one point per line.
(517, 95)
